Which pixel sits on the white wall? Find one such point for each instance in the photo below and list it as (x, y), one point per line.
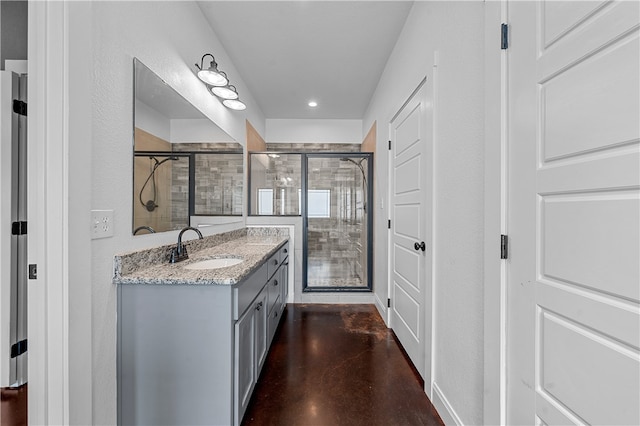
(197, 130)
(455, 31)
(168, 37)
(152, 121)
(311, 130)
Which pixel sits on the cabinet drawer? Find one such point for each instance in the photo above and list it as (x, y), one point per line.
(246, 291)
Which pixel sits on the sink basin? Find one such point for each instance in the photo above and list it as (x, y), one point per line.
(214, 263)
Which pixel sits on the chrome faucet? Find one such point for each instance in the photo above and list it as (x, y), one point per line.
(179, 253)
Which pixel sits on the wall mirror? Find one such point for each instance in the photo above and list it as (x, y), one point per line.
(186, 169)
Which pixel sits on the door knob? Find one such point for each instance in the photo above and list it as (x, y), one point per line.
(419, 246)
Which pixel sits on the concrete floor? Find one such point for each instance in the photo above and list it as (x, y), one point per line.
(13, 406)
(338, 365)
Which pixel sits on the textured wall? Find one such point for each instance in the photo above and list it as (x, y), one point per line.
(168, 37)
(455, 31)
(313, 130)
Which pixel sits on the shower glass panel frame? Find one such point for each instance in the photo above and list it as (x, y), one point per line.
(275, 180)
(342, 209)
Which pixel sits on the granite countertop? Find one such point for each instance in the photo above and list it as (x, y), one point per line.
(254, 249)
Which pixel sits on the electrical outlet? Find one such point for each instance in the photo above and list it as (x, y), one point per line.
(101, 224)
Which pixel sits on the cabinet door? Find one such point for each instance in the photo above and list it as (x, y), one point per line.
(284, 283)
(244, 367)
(261, 312)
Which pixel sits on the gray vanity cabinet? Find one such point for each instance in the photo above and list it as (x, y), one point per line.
(192, 354)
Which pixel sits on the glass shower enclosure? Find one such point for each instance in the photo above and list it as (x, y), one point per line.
(337, 213)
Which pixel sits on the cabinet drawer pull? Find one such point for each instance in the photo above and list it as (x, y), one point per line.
(275, 261)
(258, 306)
(275, 282)
(285, 251)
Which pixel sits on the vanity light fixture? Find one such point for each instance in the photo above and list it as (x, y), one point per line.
(211, 76)
(235, 104)
(224, 92)
(312, 104)
(218, 85)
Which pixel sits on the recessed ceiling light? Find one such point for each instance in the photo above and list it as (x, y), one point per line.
(312, 104)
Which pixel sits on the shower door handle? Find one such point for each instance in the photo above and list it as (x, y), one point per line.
(419, 246)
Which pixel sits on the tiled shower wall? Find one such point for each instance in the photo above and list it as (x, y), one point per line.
(341, 238)
(314, 147)
(219, 180)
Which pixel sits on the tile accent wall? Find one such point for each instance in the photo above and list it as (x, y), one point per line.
(219, 180)
(314, 147)
(207, 146)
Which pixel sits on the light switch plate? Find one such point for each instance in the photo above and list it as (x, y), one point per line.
(101, 224)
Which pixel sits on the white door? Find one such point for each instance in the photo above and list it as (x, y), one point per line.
(411, 248)
(573, 317)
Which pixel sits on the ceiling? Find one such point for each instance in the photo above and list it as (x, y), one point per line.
(152, 91)
(291, 52)
(158, 95)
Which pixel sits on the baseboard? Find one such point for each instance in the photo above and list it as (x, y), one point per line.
(382, 308)
(444, 409)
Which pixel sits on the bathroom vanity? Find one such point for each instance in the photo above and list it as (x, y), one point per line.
(192, 342)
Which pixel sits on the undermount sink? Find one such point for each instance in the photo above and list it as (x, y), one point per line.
(222, 262)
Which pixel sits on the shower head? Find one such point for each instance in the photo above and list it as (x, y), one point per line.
(172, 158)
(357, 163)
(364, 177)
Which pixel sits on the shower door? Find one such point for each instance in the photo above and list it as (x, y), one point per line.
(337, 220)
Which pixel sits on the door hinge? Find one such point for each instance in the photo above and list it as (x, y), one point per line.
(504, 36)
(388, 303)
(389, 145)
(19, 228)
(504, 247)
(20, 107)
(18, 348)
(33, 271)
